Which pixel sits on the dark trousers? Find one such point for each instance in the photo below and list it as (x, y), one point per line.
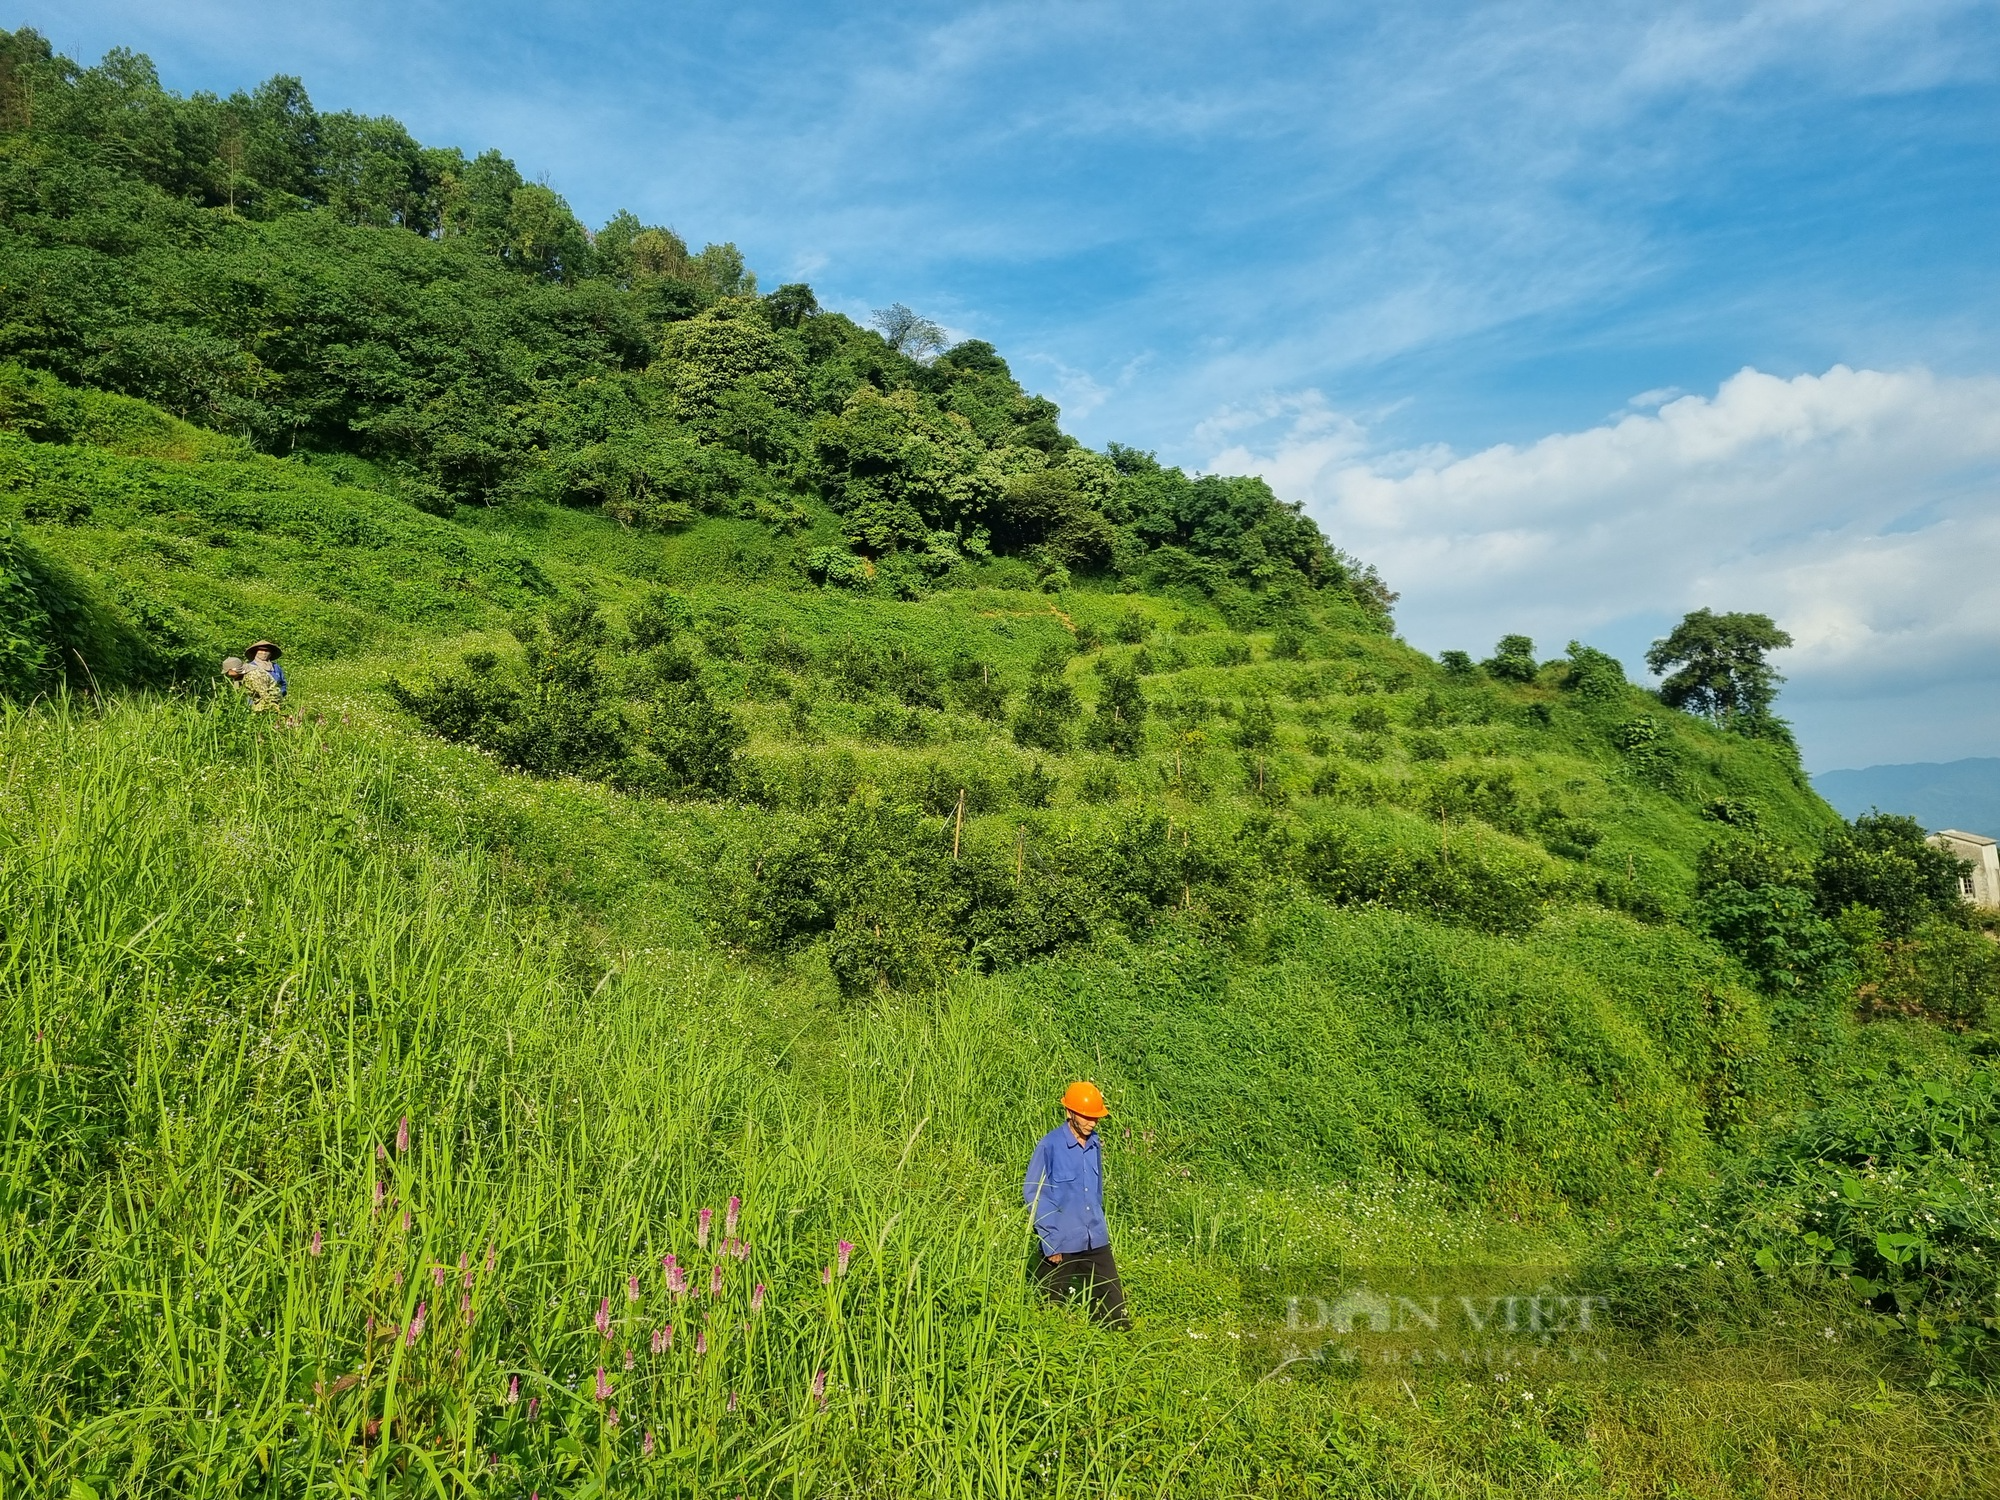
(1091, 1275)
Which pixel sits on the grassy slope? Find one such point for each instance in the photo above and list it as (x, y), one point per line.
(240, 953)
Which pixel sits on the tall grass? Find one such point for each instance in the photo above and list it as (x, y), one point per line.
(236, 965)
(228, 985)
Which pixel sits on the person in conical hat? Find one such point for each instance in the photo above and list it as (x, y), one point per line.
(265, 654)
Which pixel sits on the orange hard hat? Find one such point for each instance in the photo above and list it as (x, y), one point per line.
(1085, 1099)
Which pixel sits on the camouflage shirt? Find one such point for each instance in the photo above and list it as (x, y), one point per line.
(260, 687)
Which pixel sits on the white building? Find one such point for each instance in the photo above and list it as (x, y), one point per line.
(1981, 886)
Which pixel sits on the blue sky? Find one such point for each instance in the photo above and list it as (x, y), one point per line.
(1570, 317)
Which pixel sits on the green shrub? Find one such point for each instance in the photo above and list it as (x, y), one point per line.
(880, 889)
(1118, 723)
(1882, 861)
(1593, 675)
(1232, 651)
(912, 677)
(1563, 833)
(682, 745)
(895, 726)
(786, 652)
(1894, 1196)
(1488, 794)
(1033, 786)
(1048, 710)
(1256, 725)
(985, 697)
(1649, 751)
(1513, 660)
(639, 719)
(1370, 718)
(656, 620)
(1100, 782)
(1943, 970)
(1481, 887)
(836, 567)
(1753, 896)
(1369, 748)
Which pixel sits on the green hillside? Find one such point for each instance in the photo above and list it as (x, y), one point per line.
(733, 754)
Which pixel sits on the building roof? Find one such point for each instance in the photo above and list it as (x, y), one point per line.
(1964, 838)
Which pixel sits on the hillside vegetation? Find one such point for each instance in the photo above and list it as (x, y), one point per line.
(739, 766)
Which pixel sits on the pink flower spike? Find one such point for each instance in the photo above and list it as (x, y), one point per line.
(845, 1251)
(438, 1274)
(492, 1257)
(514, 1390)
(631, 1289)
(534, 1407)
(416, 1326)
(826, 1275)
(757, 1298)
(465, 1306)
(402, 1135)
(701, 1234)
(819, 1387)
(659, 1341)
(646, 1447)
(603, 1319)
(667, 1264)
(677, 1281)
(715, 1281)
(701, 1342)
(381, 1193)
(628, 1359)
(381, 1152)
(732, 1401)
(314, 1247)
(742, 1249)
(612, 1420)
(603, 1385)
(729, 1219)
(406, 1221)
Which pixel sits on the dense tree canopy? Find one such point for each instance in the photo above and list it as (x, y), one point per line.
(321, 282)
(1719, 666)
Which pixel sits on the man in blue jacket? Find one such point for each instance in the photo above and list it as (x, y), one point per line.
(1064, 1190)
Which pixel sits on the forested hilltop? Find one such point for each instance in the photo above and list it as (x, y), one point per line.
(739, 765)
(227, 260)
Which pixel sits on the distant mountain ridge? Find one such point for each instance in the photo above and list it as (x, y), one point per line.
(1961, 794)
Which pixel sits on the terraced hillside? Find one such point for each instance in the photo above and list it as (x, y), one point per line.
(738, 767)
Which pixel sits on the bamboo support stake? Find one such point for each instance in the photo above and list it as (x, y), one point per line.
(957, 823)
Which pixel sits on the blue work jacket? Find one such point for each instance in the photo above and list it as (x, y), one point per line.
(1065, 1188)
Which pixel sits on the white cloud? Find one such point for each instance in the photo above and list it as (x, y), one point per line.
(1860, 508)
